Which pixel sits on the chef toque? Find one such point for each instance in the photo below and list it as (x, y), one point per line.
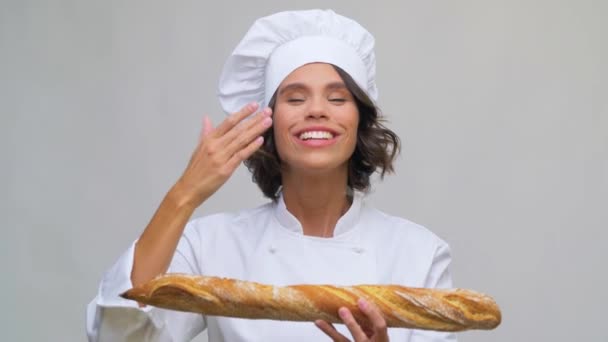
(278, 44)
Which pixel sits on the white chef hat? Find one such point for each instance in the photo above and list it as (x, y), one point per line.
(278, 44)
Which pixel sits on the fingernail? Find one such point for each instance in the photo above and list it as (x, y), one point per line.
(342, 312)
(253, 106)
(267, 122)
(362, 304)
(267, 111)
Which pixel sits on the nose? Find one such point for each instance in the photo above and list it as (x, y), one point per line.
(317, 109)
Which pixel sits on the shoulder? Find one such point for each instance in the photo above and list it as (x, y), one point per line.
(246, 220)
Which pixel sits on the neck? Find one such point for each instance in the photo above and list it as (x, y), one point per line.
(316, 200)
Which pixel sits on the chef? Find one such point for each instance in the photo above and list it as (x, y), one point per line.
(300, 91)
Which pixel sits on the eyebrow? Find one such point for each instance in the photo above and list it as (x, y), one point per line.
(298, 85)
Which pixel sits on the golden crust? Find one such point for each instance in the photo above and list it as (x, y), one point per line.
(416, 308)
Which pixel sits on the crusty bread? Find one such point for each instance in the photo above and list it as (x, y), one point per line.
(416, 308)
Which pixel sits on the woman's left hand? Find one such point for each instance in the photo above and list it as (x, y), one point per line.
(377, 332)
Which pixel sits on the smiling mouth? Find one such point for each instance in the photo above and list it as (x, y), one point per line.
(316, 135)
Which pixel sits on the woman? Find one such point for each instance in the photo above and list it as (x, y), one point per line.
(311, 151)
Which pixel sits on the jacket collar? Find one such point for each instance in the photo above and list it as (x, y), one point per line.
(347, 222)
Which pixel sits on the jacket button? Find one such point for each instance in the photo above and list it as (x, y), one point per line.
(358, 250)
(272, 249)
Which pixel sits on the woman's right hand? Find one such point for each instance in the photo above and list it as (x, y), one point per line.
(220, 151)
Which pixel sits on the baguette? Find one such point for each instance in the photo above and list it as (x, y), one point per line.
(407, 307)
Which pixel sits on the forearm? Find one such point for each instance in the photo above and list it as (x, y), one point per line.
(155, 248)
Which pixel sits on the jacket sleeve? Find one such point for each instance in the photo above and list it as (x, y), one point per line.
(112, 318)
(438, 277)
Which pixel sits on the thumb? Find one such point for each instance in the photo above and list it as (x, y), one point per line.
(207, 128)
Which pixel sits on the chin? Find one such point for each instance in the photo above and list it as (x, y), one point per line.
(317, 165)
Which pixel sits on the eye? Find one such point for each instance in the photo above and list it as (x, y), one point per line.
(295, 100)
(337, 100)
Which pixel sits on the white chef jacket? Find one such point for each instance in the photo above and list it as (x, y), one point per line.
(266, 245)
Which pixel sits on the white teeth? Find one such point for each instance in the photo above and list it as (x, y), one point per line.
(316, 135)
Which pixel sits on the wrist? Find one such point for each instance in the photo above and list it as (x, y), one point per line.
(182, 196)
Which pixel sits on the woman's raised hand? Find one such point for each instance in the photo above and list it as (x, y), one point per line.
(220, 151)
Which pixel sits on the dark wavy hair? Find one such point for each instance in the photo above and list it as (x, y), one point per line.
(376, 149)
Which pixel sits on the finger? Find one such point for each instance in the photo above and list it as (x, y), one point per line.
(234, 118)
(242, 135)
(247, 124)
(375, 317)
(330, 331)
(245, 153)
(352, 325)
(207, 128)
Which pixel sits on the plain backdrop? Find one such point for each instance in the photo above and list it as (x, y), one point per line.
(502, 107)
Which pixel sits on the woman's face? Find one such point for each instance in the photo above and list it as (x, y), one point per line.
(315, 120)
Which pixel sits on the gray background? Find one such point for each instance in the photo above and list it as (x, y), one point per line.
(502, 107)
